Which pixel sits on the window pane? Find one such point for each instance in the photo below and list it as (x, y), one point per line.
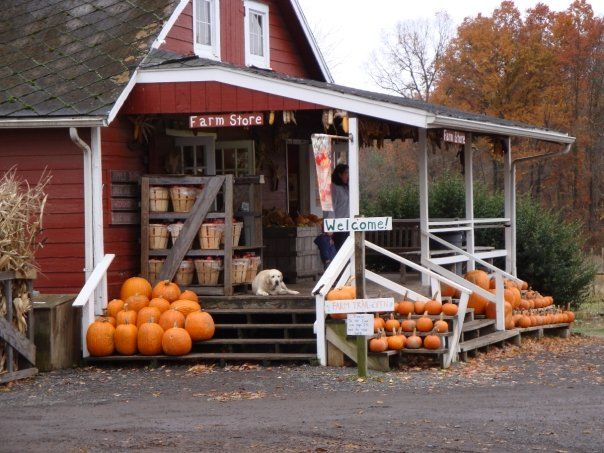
(256, 34)
(204, 22)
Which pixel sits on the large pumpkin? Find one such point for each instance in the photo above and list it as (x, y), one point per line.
(126, 316)
(478, 303)
(146, 314)
(170, 317)
(479, 278)
(135, 285)
(491, 310)
(176, 341)
(160, 303)
(149, 339)
(137, 301)
(189, 295)
(125, 338)
(166, 289)
(448, 291)
(200, 326)
(114, 306)
(345, 292)
(99, 339)
(185, 306)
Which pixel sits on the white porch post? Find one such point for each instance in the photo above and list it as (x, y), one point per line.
(353, 166)
(97, 215)
(508, 188)
(469, 186)
(423, 200)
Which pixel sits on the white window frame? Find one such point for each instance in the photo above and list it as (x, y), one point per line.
(256, 60)
(204, 51)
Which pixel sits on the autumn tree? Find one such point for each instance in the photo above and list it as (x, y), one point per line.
(408, 59)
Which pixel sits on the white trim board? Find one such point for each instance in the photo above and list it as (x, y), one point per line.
(278, 87)
(169, 24)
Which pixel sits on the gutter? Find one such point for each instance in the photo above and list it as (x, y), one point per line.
(46, 122)
(520, 160)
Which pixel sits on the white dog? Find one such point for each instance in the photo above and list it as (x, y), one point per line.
(269, 282)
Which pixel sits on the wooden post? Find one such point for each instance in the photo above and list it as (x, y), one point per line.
(359, 272)
(507, 203)
(228, 236)
(100, 298)
(469, 186)
(423, 200)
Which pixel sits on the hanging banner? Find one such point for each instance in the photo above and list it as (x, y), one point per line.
(321, 145)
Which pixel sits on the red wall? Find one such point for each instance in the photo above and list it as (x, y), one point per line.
(288, 49)
(62, 258)
(123, 240)
(198, 97)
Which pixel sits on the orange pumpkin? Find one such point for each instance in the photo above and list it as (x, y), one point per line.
(478, 303)
(170, 317)
(450, 309)
(479, 278)
(114, 306)
(126, 338)
(447, 291)
(432, 342)
(441, 326)
(405, 307)
(160, 303)
(149, 339)
(200, 326)
(396, 341)
(345, 292)
(126, 316)
(524, 322)
(491, 310)
(413, 342)
(185, 306)
(424, 324)
(109, 319)
(408, 325)
(378, 323)
(135, 285)
(99, 339)
(137, 301)
(392, 324)
(166, 289)
(146, 314)
(419, 307)
(176, 341)
(434, 307)
(379, 344)
(189, 295)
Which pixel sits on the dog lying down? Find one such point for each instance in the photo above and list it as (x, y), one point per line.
(269, 282)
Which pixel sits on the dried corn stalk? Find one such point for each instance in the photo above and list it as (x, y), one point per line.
(21, 211)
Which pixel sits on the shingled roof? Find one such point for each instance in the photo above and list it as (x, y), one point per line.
(62, 58)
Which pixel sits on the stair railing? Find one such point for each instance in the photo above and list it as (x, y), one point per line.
(85, 298)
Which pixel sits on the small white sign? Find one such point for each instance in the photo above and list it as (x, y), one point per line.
(359, 305)
(359, 325)
(357, 224)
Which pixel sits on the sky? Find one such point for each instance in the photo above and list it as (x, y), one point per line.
(351, 29)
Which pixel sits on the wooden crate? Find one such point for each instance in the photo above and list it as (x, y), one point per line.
(20, 349)
(292, 251)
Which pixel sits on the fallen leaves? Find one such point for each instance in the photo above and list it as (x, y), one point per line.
(237, 395)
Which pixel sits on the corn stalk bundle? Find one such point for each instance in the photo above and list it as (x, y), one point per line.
(21, 211)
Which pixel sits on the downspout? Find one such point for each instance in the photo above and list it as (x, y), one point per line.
(515, 162)
(88, 233)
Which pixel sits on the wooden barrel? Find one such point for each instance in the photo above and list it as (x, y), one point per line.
(208, 271)
(158, 236)
(159, 199)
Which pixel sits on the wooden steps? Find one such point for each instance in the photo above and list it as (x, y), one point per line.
(489, 339)
(222, 356)
(477, 324)
(284, 326)
(249, 341)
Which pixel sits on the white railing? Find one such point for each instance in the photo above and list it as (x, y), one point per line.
(339, 271)
(86, 297)
(499, 274)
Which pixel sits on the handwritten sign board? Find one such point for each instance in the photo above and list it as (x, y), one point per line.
(359, 325)
(360, 305)
(454, 137)
(358, 224)
(226, 120)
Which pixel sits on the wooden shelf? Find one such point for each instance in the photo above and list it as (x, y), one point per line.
(207, 252)
(181, 215)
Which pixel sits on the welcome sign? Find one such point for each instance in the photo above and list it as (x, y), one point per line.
(357, 224)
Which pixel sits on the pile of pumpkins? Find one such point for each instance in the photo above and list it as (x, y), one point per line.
(149, 321)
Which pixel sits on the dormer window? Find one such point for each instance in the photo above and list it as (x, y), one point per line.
(206, 28)
(256, 35)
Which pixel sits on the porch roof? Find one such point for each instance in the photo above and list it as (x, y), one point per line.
(161, 66)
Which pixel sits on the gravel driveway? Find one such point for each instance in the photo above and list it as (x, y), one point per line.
(543, 396)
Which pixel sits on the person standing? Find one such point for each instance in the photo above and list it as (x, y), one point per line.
(340, 200)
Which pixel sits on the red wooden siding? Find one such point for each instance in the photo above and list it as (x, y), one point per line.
(290, 53)
(62, 258)
(123, 240)
(198, 97)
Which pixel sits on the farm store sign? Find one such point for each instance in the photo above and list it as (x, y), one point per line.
(358, 224)
(226, 120)
(454, 137)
